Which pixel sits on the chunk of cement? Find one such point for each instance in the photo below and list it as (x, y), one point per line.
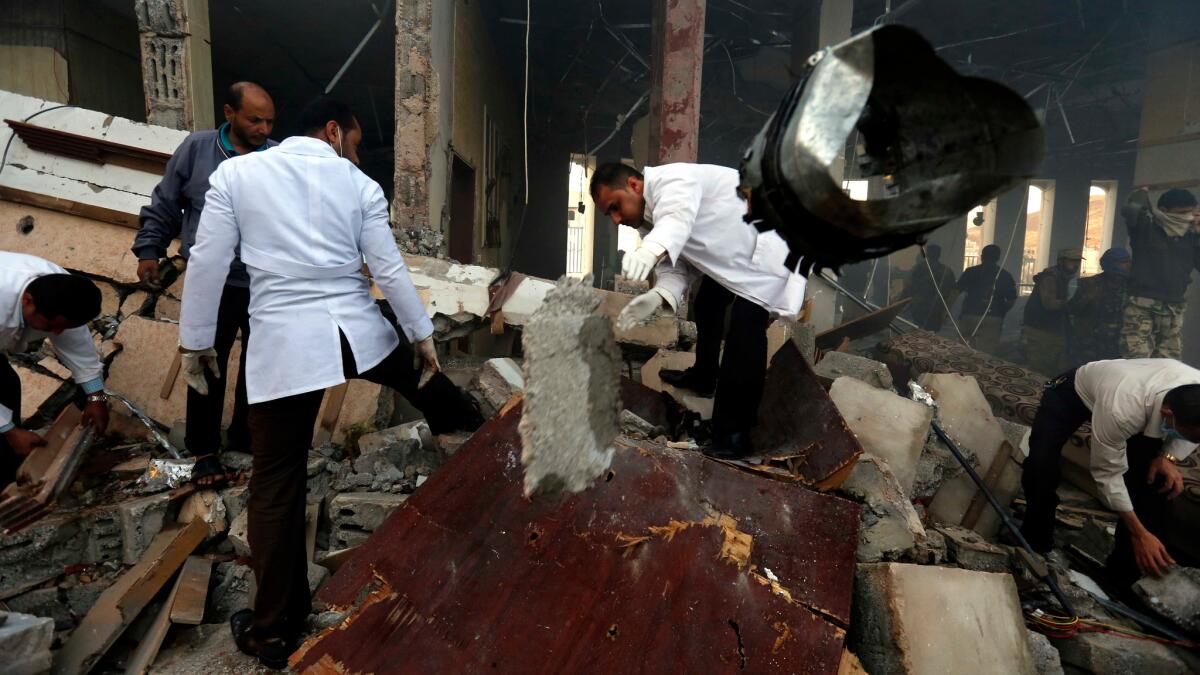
(967, 549)
(1175, 596)
(1045, 656)
(632, 425)
(1107, 654)
(915, 619)
(937, 466)
(409, 448)
(840, 364)
(25, 643)
(355, 515)
(888, 426)
(889, 526)
(572, 392)
(497, 382)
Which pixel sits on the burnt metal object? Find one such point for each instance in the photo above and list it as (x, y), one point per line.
(808, 437)
(940, 143)
(864, 326)
(671, 563)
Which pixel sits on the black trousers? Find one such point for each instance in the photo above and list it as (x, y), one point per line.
(1060, 415)
(10, 397)
(281, 434)
(742, 371)
(204, 411)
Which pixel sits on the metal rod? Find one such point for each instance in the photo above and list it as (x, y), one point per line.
(1004, 517)
(870, 306)
(149, 424)
(354, 54)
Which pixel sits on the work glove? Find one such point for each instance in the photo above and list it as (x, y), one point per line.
(638, 265)
(427, 360)
(639, 310)
(193, 362)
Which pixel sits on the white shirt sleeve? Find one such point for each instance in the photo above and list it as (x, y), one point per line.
(671, 281)
(77, 352)
(677, 195)
(217, 238)
(387, 265)
(1109, 460)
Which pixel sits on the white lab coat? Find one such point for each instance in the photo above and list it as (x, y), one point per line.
(304, 218)
(74, 347)
(695, 213)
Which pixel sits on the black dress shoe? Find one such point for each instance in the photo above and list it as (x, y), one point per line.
(689, 379)
(734, 445)
(272, 653)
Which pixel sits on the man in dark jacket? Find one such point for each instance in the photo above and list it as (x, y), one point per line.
(924, 284)
(174, 211)
(1096, 311)
(1166, 247)
(989, 293)
(1044, 330)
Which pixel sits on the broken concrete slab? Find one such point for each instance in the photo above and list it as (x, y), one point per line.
(888, 426)
(1174, 596)
(355, 515)
(409, 448)
(36, 388)
(25, 642)
(668, 360)
(497, 381)
(918, 619)
(1045, 657)
(936, 467)
(232, 593)
(889, 527)
(239, 534)
(967, 549)
(572, 392)
(73, 242)
(40, 552)
(141, 520)
(840, 364)
(773, 595)
(1107, 654)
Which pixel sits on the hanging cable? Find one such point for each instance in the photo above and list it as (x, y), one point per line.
(525, 115)
(945, 306)
(1011, 238)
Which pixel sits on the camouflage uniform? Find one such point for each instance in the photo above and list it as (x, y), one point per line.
(1152, 329)
(1097, 311)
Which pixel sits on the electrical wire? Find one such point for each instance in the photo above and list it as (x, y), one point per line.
(1011, 238)
(1062, 627)
(4, 157)
(945, 306)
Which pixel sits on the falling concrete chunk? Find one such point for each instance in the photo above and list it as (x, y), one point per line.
(915, 619)
(1175, 596)
(839, 364)
(572, 395)
(772, 593)
(25, 643)
(497, 382)
(888, 426)
(889, 526)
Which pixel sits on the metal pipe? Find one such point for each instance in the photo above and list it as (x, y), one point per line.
(354, 54)
(869, 306)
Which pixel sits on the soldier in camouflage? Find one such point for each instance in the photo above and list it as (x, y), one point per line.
(1097, 309)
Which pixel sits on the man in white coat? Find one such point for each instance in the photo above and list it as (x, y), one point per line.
(690, 216)
(303, 218)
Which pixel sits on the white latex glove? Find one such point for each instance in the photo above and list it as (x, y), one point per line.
(426, 353)
(192, 365)
(639, 310)
(638, 265)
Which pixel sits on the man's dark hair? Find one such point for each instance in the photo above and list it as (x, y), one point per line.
(990, 253)
(933, 252)
(70, 296)
(1177, 198)
(612, 175)
(1184, 401)
(321, 110)
(237, 91)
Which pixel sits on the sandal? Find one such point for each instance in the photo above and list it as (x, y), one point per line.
(272, 653)
(209, 474)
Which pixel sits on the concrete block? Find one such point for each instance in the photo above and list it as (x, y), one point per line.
(889, 526)
(141, 520)
(496, 382)
(58, 237)
(407, 447)
(355, 515)
(1176, 596)
(1045, 657)
(669, 360)
(25, 642)
(572, 392)
(1018, 435)
(660, 332)
(1106, 654)
(238, 536)
(888, 426)
(804, 335)
(966, 416)
(915, 619)
(840, 364)
(40, 552)
(970, 551)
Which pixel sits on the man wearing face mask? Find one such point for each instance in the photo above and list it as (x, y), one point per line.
(1166, 247)
(174, 212)
(1145, 418)
(1097, 308)
(304, 218)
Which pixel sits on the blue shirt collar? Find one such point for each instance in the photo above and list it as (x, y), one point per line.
(227, 146)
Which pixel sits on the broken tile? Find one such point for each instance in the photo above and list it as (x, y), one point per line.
(889, 526)
(887, 425)
(774, 590)
(840, 364)
(915, 619)
(1175, 596)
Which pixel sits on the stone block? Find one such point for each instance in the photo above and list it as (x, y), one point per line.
(1045, 656)
(572, 392)
(496, 382)
(889, 526)
(669, 360)
(968, 550)
(1106, 654)
(840, 364)
(966, 417)
(355, 515)
(141, 520)
(916, 619)
(888, 426)
(25, 642)
(239, 529)
(1175, 596)
(400, 445)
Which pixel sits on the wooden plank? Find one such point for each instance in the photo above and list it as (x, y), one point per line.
(862, 327)
(172, 374)
(120, 604)
(147, 650)
(192, 591)
(333, 407)
(38, 462)
(312, 516)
